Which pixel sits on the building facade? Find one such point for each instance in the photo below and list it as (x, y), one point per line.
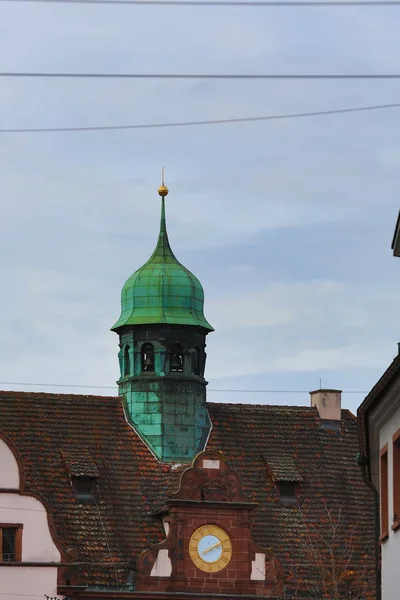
(156, 493)
(29, 550)
(379, 419)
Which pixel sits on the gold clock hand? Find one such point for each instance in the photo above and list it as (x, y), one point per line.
(212, 547)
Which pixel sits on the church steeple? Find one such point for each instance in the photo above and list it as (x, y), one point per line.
(162, 331)
(162, 290)
(163, 247)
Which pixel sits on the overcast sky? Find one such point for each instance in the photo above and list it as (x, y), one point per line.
(287, 224)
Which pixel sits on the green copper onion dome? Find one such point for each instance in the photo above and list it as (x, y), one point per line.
(162, 290)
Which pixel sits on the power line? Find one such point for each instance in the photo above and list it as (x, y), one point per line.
(8, 594)
(284, 3)
(208, 122)
(113, 387)
(254, 76)
(23, 509)
(66, 385)
(284, 391)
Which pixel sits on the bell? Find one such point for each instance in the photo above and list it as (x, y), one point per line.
(149, 360)
(176, 362)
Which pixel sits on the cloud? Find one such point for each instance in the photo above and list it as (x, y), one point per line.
(279, 304)
(287, 223)
(55, 332)
(300, 326)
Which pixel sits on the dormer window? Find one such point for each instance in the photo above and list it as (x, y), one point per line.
(287, 492)
(84, 488)
(282, 470)
(147, 358)
(83, 472)
(176, 358)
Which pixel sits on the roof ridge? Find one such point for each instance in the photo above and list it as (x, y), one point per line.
(249, 404)
(16, 393)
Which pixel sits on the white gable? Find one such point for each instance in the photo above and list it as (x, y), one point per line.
(9, 471)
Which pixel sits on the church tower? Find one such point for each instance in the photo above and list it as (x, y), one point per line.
(162, 338)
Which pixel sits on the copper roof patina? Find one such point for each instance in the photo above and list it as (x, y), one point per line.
(162, 290)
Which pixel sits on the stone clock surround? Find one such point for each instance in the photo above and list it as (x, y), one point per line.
(209, 493)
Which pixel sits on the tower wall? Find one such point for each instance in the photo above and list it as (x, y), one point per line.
(165, 392)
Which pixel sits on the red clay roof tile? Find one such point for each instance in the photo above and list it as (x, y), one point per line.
(59, 435)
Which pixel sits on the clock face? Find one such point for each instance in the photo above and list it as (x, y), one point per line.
(210, 548)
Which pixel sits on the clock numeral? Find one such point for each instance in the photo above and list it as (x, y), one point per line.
(216, 542)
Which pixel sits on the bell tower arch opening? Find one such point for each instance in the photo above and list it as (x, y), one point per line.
(147, 358)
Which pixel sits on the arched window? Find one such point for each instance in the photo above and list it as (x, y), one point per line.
(196, 358)
(176, 358)
(127, 362)
(148, 358)
(193, 361)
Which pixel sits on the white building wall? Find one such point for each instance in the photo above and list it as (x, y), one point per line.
(29, 582)
(37, 543)
(9, 472)
(390, 547)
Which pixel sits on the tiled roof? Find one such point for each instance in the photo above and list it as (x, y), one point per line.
(79, 462)
(282, 467)
(120, 526)
(331, 479)
(49, 431)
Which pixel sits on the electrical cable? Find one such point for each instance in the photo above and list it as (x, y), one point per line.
(114, 387)
(206, 122)
(220, 76)
(251, 4)
(8, 594)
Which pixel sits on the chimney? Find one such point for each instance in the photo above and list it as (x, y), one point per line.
(329, 405)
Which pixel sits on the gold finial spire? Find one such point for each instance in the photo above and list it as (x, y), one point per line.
(162, 190)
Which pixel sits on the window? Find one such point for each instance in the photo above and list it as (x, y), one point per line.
(196, 369)
(10, 543)
(334, 424)
(384, 493)
(127, 362)
(84, 488)
(396, 481)
(148, 358)
(287, 492)
(176, 358)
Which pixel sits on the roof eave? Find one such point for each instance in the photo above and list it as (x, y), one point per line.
(135, 322)
(396, 238)
(371, 401)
